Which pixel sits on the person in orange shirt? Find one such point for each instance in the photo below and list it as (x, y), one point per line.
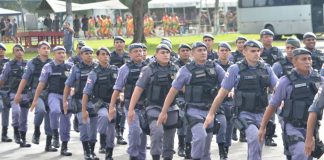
(165, 24)
(129, 25)
(103, 28)
(151, 25)
(146, 26)
(92, 27)
(174, 24)
(109, 26)
(99, 22)
(119, 25)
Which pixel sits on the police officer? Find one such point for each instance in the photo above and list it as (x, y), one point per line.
(251, 78)
(224, 114)
(208, 39)
(168, 42)
(77, 80)
(200, 79)
(30, 79)
(297, 90)
(53, 76)
(4, 108)
(156, 80)
(11, 76)
(184, 134)
(98, 90)
(309, 40)
(238, 54)
(119, 57)
(127, 77)
(270, 54)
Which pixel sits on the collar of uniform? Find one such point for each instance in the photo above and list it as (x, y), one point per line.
(116, 54)
(302, 76)
(88, 65)
(56, 63)
(103, 68)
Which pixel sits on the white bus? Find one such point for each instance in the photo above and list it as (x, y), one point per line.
(283, 17)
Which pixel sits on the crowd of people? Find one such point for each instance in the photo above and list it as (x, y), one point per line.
(193, 90)
(8, 30)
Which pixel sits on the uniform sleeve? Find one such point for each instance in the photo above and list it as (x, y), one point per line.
(280, 92)
(220, 73)
(5, 72)
(183, 77)
(273, 77)
(46, 71)
(318, 102)
(121, 78)
(91, 80)
(230, 77)
(144, 77)
(72, 78)
(277, 69)
(29, 69)
(322, 70)
(280, 54)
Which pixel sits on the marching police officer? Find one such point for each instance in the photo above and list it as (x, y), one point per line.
(251, 78)
(297, 90)
(238, 54)
(127, 77)
(309, 40)
(53, 76)
(118, 58)
(200, 79)
(11, 76)
(98, 90)
(168, 42)
(224, 114)
(208, 39)
(270, 53)
(77, 80)
(156, 79)
(30, 79)
(4, 108)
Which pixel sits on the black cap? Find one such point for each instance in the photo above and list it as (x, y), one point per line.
(168, 43)
(134, 45)
(293, 41)
(119, 38)
(198, 44)
(309, 35)
(86, 49)
(208, 36)
(300, 51)
(266, 32)
(59, 48)
(103, 49)
(240, 38)
(3, 46)
(19, 46)
(225, 45)
(43, 43)
(166, 39)
(253, 43)
(163, 46)
(81, 43)
(184, 45)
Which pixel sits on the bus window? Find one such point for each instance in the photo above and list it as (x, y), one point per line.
(260, 3)
(247, 3)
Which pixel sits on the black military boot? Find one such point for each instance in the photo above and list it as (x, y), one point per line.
(226, 150)
(109, 153)
(222, 151)
(76, 124)
(23, 142)
(181, 147)
(270, 142)
(167, 158)
(234, 135)
(36, 135)
(92, 148)
(86, 150)
(120, 139)
(133, 158)
(48, 146)
(188, 151)
(155, 157)
(242, 136)
(102, 148)
(4, 136)
(271, 127)
(17, 135)
(64, 149)
(56, 138)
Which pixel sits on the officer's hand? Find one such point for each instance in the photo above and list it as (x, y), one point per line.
(209, 120)
(131, 116)
(162, 119)
(17, 98)
(85, 116)
(231, 94)
(72, 92)
(65, 107)
(309, 146)
(111, 112)
(261, 134)
(33, 105)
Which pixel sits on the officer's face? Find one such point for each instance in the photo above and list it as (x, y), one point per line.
(163, 56)
(209, 42)
(184, 53)
(144, 53)
(44, 50)
(289, 49)
(103, 57)
(59, 55)
(119, 45)
(267, 39)
(2, 52)
(86, 56)
(240, 45)
(252, 54)
(18, 52)
(223, 53)
(303, 62)
(309, 42)
(199, 54)
(136, 55)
